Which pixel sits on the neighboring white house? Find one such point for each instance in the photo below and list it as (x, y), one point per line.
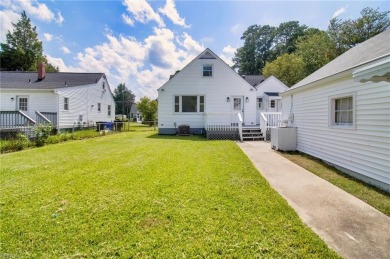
(342, 111)
(135, 114)
(64, 99)
(206, 91)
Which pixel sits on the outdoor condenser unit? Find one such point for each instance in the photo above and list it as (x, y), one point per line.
(184, 130)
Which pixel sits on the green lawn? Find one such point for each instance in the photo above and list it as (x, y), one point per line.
(376, 198)
(137, 194)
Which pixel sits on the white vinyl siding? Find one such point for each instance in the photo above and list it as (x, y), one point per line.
(66, 104)
(364, 149)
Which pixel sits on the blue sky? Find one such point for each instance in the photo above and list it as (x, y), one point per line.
(141, 43)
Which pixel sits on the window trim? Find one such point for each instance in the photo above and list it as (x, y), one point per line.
(197, 104)
(66, 103)
(203, 70)
(332, 111)
(18, 102)
(109, 110)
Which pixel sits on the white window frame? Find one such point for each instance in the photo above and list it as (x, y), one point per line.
(203, 70)
(198, 104)
(109, 110)
(66, 103)
(99, 107)
(259, 103)
(272, 101)
(18, 103)
(332, 111)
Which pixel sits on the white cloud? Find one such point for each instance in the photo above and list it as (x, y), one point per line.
(338, 12)
(170, 11)
(65, 50)
(143, 12)
(207, 40)
(228, 54)
(7, 17)
(127, 20)
(32, 8)
(60, 18)
(48, 36)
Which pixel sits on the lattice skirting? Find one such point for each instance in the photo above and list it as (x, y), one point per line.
(222, 135)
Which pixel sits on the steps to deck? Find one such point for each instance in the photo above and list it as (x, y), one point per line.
(252, 134)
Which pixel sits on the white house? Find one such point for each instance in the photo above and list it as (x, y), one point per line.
(64, 99)
(342, 111)
(205, 92)
(267, 94)
(135, 114)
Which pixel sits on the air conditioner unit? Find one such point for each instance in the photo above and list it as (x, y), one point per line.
(184, 130)
(284, 139)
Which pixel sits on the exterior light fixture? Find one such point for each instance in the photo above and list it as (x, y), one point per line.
(247, 99)
(12, 98)
(228, 99)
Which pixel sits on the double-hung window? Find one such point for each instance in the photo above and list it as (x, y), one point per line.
(272, 103)
(342, 111)
(23, 103)
(189, 103)
(207, 70)
(259, 103)
(99, 108)
(66, 104)
(109, 110)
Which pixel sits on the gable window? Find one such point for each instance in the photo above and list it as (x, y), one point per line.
(259, 103)
(189, 103)
(104, 85)
(207, 70)
(99, 108)
(66, 104)
(23, 103)
(272, 103)
(109, 110)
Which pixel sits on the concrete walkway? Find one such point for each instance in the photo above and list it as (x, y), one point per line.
(348, 225)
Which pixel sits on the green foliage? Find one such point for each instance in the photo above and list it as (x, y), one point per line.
(21, 142)
(288, 68)
(124, 99)
(23, 50)
(316, 50)
(286, 36)
(148, 108)
(346, 34)
(41, 134)
(163, 197)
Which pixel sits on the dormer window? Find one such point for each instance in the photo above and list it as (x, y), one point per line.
(207, 70)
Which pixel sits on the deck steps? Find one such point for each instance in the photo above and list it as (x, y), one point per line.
(252, 133)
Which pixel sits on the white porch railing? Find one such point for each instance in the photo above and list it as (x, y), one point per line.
(270, 120)
(223, 122)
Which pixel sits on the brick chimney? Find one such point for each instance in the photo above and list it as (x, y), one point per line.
(41, 71)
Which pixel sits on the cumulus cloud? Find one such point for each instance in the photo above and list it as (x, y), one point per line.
(32, 8)
(170, 11)
(338, 12)
(143, 12)
(228, 54)
(48, 36)
(60, 18)
(127, 20)
(7, 17)
(65, 50)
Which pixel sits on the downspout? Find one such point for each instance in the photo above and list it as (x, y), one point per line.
(58, 111)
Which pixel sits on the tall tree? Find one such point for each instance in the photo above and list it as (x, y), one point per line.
(288, 68)
(124, 99)
(256, 52)
(22, 50)
(346, 34)
(315, 49)
(286, 36)
(148, 108)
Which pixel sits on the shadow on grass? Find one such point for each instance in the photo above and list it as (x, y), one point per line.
(176, 137)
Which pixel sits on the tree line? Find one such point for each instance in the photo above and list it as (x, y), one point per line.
(292, 51)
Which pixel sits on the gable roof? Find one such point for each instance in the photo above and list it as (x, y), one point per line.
(52, 80)
(206, 54)
(254, 80)
(363, 53)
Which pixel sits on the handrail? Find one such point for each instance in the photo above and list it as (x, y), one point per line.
(40, 116)
(240, 125)
(27, 117)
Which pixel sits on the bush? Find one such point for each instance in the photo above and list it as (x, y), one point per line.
(21, 142)
(42, 133)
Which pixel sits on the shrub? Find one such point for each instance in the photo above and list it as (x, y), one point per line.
(42, 133)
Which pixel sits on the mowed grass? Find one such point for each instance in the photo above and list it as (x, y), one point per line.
(138, 194)
(376, 198)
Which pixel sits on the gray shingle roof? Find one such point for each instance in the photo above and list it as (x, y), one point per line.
(254, 80)
(52, 80)
(369, 50)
